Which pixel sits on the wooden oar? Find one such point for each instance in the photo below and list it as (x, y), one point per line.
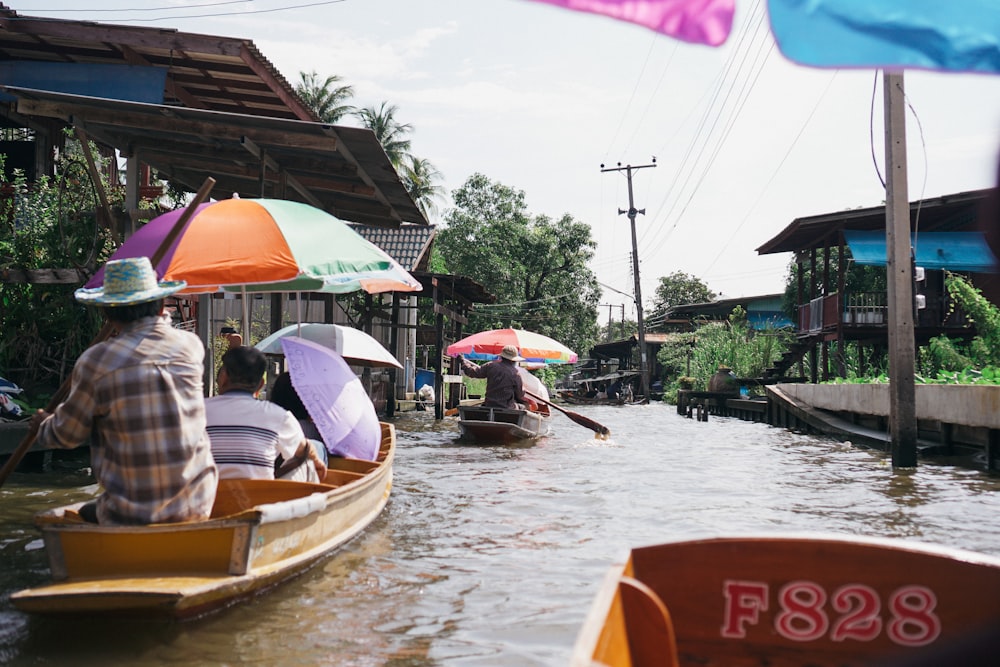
(60, 395)
(603, 432)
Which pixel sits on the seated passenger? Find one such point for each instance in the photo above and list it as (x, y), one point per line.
(283, 393)
(249, 435)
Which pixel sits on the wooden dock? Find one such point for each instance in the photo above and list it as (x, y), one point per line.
(955, 423)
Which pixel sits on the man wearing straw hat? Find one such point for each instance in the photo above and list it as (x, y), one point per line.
(503, 383)
(139, 398)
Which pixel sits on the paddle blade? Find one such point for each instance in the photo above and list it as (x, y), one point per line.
(601, 431)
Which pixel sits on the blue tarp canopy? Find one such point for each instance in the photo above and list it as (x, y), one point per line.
(132, 83)
(956, 251)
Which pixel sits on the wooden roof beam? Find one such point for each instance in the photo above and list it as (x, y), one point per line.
(268, 162)
(135, 36)
(180, 125)
(291, 100)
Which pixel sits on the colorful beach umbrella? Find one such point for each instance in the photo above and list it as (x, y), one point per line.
(354, 345)
(335, 399)
(266, 245)
(534, 347)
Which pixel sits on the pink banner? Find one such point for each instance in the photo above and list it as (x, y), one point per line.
(698, 21)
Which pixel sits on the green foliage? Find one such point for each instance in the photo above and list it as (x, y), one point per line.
(679, 289)
(985, 347)
(946, 360)
(51, 223)
(326, 98)
(733, 343)
(618, 330)
(390, 132)
(536, 267)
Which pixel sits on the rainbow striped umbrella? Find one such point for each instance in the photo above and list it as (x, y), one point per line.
(266, 245)
(534, 347)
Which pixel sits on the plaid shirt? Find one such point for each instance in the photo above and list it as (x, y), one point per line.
(139, 398)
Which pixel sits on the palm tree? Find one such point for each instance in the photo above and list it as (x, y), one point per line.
(326, 99)
(388, 131)
(421, 178)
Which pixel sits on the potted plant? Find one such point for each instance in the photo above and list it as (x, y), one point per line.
(685, 382)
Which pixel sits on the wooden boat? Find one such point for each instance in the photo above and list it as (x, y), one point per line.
(794, 600)
(490, 425)
(260, 533)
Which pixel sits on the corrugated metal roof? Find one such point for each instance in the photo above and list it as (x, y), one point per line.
(342, 170)
(203, 71)
(958, 211)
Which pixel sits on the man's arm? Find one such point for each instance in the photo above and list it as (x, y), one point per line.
(302, 454)
(472, 370)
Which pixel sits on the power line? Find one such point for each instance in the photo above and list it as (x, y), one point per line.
(199, 16)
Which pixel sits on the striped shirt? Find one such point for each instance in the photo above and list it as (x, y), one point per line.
(248, 435)
(139, 399)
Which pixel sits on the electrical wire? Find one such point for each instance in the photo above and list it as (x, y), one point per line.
(774, 173)
(146, 9)
(175, 17)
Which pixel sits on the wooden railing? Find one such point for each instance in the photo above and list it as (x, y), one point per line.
(866, 308)
(871, 309)
(819, 314)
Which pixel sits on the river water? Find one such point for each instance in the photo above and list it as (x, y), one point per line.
(491, 555)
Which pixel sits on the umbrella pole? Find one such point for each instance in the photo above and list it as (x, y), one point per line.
(298, 313)
(246, 314)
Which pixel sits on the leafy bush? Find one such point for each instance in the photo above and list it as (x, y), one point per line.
(50, 223)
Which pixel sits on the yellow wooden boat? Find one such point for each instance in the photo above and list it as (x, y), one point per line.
(794, 600)
(260, 533)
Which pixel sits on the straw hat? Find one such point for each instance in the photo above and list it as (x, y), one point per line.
(128, 282)
(509, 352)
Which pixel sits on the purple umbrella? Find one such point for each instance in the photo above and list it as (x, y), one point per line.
(335, 399)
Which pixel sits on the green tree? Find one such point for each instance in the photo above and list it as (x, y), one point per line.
(50, 223)
(390, 132)
(678, 289)
(326, 98)
(536, 266)
(618, 330)
(422, 181)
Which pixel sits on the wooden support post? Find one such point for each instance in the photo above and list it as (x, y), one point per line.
(899, 275)
(993, 451)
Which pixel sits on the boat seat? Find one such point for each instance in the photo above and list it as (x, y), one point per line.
(651, 638)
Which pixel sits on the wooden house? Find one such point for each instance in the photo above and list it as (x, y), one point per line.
(947, 234)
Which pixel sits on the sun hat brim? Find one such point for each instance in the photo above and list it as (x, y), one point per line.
(96, 295)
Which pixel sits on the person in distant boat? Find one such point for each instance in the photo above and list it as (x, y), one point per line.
(139, 399)
(615, 390)
(503, 382)
(249, 435)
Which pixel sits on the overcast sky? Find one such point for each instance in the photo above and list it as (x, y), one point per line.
(537, 98)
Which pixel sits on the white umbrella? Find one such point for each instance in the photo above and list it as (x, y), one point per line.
(354, 345)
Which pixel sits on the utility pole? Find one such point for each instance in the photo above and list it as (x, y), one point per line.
(899, 275)
(609, 306)
(632, 212)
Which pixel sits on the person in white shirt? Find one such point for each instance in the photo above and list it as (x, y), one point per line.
(254, 439)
